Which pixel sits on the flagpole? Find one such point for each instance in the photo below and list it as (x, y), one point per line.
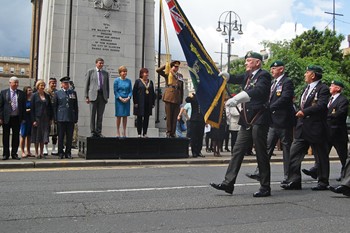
(159, 56)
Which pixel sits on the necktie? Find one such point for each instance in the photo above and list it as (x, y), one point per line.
(247, 84)
(306, 93)
(100, 78)
(330, 102)
(273, 87)
(13, 101)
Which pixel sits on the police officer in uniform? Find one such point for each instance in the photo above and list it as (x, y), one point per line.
(66, 115)
(254, 121)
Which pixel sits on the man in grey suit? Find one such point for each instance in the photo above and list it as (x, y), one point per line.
(66, 115)
(97, 94)
(12, 108)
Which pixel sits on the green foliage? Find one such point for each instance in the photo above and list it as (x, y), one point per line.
(312, 47)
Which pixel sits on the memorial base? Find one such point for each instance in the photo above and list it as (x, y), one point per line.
(132, 148)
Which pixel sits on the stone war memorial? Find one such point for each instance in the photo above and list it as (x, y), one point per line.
(72, 34)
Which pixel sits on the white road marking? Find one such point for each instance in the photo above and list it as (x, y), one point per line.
(157, 189)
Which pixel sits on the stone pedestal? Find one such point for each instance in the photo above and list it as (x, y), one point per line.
(111, 29)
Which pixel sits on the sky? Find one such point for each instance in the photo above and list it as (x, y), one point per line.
(272, 20)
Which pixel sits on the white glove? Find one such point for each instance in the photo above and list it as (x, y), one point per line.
(241, 97)
(225, 75)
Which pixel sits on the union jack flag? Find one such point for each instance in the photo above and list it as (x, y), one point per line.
(210, 88)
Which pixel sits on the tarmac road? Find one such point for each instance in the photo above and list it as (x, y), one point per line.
(158, 198)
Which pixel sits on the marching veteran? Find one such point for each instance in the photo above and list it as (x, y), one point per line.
(254, 121)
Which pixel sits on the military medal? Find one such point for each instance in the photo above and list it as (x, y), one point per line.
(147, 92)
(333, 111)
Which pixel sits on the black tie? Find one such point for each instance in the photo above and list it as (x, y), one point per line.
(330, 102)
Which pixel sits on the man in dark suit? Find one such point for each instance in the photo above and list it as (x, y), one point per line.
(173, 95)
(311, 130)
(12, 109)
(97, 94)
(66, 115)
(336, 121)
(254, 121)
(282, 116)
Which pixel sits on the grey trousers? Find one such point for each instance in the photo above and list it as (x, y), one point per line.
(258, 135)
(297, 154)
(97, 109)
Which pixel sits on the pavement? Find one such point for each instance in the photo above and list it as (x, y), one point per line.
(55, 162)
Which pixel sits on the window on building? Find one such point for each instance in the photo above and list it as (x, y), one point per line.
(12, 70)
(23, 71)
(1, 69)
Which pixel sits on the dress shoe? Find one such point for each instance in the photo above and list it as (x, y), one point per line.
(69, 156)
(201, 155)
(309, 173)
(223, 187)
(291, 186)
(61, 155)
(338, 179)
(319, 187)
(5, 158)
(15, 157)
(345, 190)
(284, 182)
(262, 193)
(227, 149)
(253, 176)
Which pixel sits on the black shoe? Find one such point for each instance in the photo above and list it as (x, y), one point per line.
(291, 186)
(201, 155)
(284, 182)
(69, 156)
(262, 193)
(319, 187)
(223, 187)
(61, 155)
(310, 173)
(345, 190)
(227, 149)
(5, 158)
(338, 179)
(15, 157)
(194, 156)
(253, 176)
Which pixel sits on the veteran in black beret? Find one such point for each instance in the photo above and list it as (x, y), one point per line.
(282, 116)
(66, 115)
(311, 130)
(254, 121)
(337, 113)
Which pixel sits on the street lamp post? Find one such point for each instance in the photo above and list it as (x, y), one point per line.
(226, 21)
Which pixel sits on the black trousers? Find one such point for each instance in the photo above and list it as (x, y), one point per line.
(15, 125)
(196, 136)
(65, 129)
(142, 124)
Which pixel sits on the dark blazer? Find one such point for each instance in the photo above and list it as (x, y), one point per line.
(336, 119)
(139, 95)
(6, 108)
(313, 127)
(66, 106)
(174, 92)
(259, 93)
(281, 104)
(37, 107)
(91, 84)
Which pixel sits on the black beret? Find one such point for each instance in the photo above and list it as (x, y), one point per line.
(253, 55)
(65, 79)
(338, 83)
(277, 64)
(315, 69)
